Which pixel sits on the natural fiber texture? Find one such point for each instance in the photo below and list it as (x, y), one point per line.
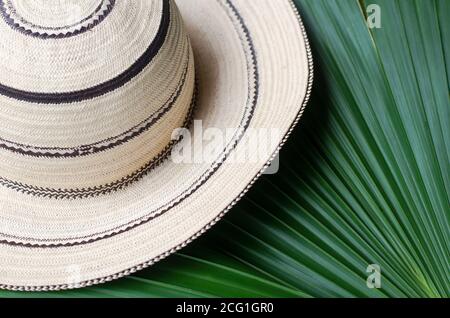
(100, 136)
(54, 20)
(254, 72)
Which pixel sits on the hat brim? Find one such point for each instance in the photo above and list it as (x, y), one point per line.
(254, 70)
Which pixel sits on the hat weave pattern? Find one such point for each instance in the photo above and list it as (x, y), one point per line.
(14, 19)
(152, 96)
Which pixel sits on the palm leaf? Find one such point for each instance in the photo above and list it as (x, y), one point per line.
(364, 180)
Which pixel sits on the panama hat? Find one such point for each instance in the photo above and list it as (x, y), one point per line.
(100, 101)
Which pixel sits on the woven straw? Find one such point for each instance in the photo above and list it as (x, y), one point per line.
(88, 190)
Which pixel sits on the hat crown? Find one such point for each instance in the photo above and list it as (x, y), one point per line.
(54, 14)
(91, 90)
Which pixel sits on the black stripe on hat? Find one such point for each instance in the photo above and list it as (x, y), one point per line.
(102, 145)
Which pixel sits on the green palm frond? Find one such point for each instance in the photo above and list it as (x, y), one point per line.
(364, 180)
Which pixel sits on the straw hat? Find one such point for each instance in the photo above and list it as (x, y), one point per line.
(96, 181)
